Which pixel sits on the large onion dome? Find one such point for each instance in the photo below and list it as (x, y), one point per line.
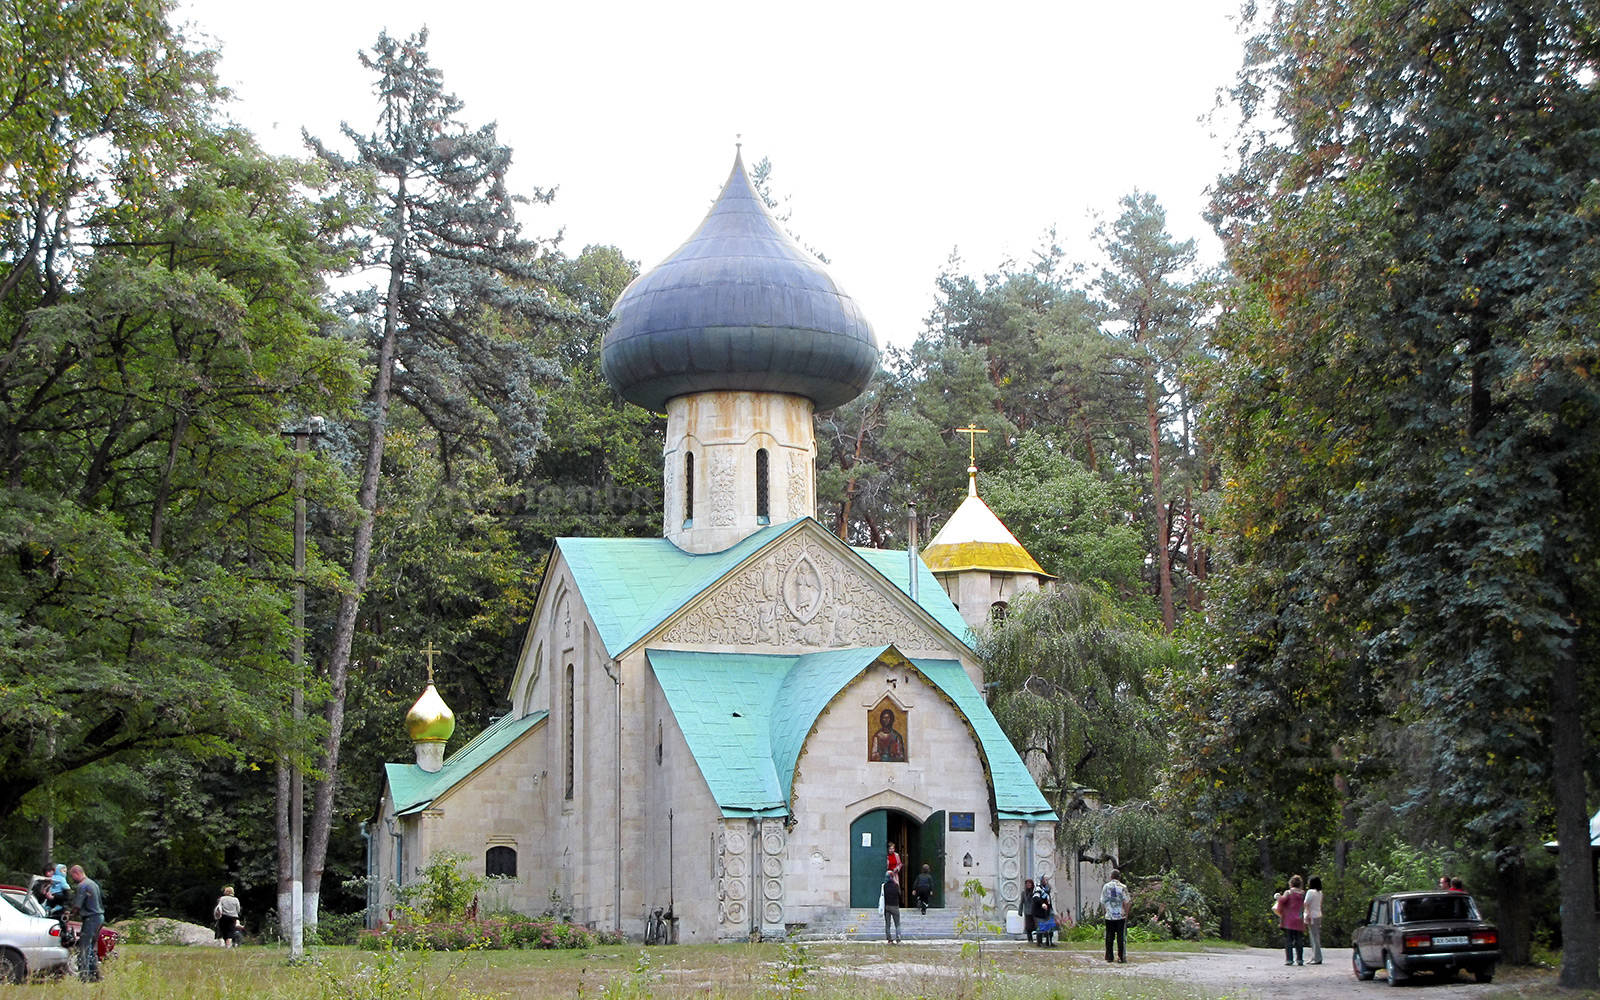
(430, 719)
(738, 307)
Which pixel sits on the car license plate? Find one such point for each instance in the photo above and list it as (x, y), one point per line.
(1452, 939)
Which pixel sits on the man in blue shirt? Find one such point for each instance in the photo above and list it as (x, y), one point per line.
(86, 904)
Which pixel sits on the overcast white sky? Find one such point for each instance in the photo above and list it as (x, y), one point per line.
(898, 131)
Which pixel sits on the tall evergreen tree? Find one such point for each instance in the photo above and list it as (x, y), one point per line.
(444, 331)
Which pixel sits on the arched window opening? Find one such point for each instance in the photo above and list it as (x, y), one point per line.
(688, 489)
(500, 862)
(568, 733)
(997, 612)
(763, 509)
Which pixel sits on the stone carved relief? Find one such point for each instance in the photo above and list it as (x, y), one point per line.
(724, 477)
(733, 868)
(1010, 863)
(799, 486)
(800, 594)
(672, 500)
(774, 841)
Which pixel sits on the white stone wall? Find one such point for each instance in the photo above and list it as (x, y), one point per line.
(975, 592)
(724, 430)
(836, 784)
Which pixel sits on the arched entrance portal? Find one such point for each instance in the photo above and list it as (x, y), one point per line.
(920, 843)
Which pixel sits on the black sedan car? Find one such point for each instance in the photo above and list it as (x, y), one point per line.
(1410, 932)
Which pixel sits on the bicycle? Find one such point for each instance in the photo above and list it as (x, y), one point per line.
(658, 926)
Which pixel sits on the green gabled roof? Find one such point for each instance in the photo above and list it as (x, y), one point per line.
(893, 564)
(723, 702)
(414, 789)
(1016, 795)
(746, 717)
(632, 585)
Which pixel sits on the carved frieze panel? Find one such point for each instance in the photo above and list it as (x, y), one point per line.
(799, 485)
(800, 594)
(724, 477)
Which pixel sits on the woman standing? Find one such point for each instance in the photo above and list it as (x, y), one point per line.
(226, 913)
(1314, 918)
(1290, 909)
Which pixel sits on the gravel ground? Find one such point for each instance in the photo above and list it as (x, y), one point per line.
(1260, 972)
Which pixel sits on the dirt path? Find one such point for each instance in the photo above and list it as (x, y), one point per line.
(1260, 973)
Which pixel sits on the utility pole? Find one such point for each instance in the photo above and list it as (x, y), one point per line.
(297, 648)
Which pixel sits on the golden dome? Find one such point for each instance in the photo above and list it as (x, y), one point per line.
(975, 539)
(430, 719)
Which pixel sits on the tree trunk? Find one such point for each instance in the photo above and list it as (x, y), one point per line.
(285, 851)
(1515, 917)
(350, 604)
(1580, 964)
(1169, 619)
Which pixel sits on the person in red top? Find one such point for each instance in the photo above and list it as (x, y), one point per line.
(894, 861)
(1290, 909)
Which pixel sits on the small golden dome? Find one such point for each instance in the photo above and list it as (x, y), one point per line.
(430, 719)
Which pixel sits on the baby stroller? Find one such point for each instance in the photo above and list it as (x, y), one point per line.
(1045, 926)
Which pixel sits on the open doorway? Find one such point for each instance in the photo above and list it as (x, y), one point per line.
(918, 843)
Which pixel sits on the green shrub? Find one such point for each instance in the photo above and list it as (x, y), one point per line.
(492, 934)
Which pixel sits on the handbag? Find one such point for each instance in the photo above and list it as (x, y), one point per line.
(880, 900)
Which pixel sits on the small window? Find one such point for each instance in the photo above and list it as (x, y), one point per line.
(763, 508)
(688, 489)
(997, 612)
(658, 741)
(500, 862)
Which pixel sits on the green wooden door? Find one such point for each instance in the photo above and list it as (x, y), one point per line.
(869, 842)
(930, 851)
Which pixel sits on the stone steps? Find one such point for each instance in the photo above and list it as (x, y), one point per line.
(867, 925)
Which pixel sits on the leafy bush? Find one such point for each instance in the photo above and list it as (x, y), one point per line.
(493, 934)
(443, 889)
(1173, 905)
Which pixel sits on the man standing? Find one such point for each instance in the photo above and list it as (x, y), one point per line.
(891, 908)
(86, 904)
(1114, 900)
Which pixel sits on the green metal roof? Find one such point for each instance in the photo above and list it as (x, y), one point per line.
(631, 585)
(415, 789)
(746, 717)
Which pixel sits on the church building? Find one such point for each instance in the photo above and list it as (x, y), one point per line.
(731, 722)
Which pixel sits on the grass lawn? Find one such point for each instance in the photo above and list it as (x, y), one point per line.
(825, 971)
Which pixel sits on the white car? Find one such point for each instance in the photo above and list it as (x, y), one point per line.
(30, 945)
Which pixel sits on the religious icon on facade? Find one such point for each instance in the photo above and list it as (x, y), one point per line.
(887, 742)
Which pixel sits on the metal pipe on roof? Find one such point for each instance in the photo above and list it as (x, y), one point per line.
(911, 550)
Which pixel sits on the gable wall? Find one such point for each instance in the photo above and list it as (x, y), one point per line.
(672, 834)
(498, 805)
(836, 784)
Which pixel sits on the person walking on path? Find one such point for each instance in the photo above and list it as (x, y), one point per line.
(1114, 900)
(1314, 918)
(891, 908)
(87, 905)
(1028, 921)
(1290, 909)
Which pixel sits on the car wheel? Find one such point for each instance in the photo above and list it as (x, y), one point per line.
(12, 967)
(1396, 977)
(1363, 971)
(1484, 973)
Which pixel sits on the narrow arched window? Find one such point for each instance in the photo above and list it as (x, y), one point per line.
(763, 509)
(500, 862)
(688, 488)
(997, 612)
(567, 735)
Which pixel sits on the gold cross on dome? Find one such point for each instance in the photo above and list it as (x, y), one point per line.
(430, 651)
(971, 431)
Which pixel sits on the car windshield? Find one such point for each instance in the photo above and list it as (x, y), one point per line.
(1451, 906)
(17, 902)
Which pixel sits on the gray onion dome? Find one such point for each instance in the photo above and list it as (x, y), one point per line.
(738, 307)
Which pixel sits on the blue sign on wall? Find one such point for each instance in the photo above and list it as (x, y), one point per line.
(961, 822)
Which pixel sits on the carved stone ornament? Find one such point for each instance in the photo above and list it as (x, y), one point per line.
(799, 486)
(724, 474)
(800, 594)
